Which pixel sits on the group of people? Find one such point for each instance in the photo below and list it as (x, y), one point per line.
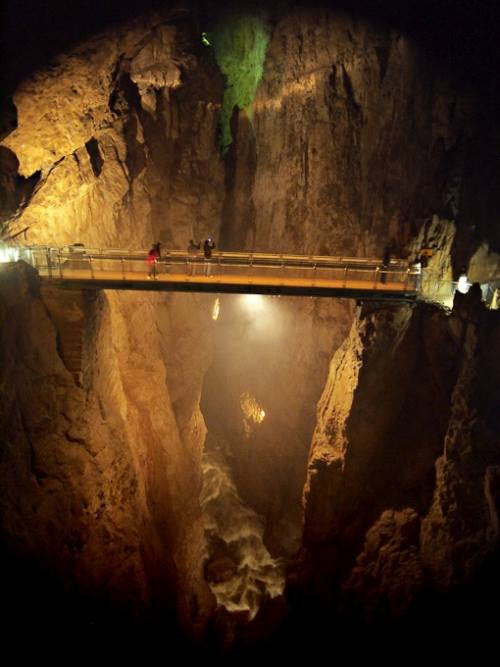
(154, 254)
(208, 246)
(419, 263)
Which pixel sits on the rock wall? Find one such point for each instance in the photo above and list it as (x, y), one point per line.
(337, 172)
(102, 130)
(122, 134)
(402, 490)
(318, 165)
(100, 478)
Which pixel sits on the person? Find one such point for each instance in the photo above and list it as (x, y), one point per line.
(386, 261)
(158, 256)
(208, 246)
(463, 284)
(424, 254)
(193, 251)
(416, 270)
(152, 259)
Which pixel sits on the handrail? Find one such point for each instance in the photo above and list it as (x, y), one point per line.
(110, 253)
(228, 268)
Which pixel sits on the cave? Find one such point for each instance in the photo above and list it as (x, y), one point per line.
(247, 475)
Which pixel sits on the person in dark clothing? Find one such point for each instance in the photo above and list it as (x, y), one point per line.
(208, 246)
(193, 247)
(158, 255)
(386, 261)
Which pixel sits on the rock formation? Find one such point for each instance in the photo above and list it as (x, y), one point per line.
(402, 486)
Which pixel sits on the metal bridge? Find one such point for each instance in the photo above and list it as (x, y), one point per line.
(77, 267)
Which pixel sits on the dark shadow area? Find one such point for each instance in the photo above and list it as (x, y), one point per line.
(15, 190)
(438, 624)
(49, 28)
(8, 116)
(238, 212)
(35, 600)
(96, 159)
(462, 32)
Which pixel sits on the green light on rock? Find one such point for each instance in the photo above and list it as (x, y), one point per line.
(240, 45)
(204, 39)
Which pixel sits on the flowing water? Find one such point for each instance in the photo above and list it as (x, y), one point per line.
(240, 571)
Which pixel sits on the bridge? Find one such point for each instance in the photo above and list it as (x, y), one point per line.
(77, 267)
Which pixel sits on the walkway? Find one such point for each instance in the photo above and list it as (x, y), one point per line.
(254, 273)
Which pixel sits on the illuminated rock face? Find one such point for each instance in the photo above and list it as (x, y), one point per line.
(126, 153)
(353, 139)
(124, 156)
(403, 473)
(100, 478)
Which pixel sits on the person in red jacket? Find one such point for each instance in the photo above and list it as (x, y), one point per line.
(152, 258)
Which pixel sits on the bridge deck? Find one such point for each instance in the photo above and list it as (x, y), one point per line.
(259, 273)
(254, 284)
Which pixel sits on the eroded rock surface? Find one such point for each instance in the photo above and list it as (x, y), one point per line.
(100, 477)
(403, 486)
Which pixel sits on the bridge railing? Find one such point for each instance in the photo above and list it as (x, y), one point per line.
(97, 263)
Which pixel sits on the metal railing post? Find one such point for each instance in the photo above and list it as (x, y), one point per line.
(60, 263)
(122, 262)
(345, 275)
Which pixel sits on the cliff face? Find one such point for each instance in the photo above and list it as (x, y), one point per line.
(354, 138)
(335, 171)
(100, 476)
(101, 133)
(123, 152)
(402, 491)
